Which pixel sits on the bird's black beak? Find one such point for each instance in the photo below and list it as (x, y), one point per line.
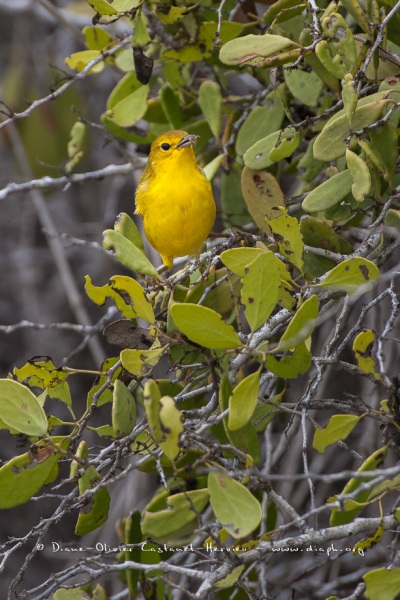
(188, 140)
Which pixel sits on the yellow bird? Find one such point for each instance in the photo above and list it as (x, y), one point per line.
(174, 197)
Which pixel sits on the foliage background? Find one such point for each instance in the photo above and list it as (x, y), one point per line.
(51, 239)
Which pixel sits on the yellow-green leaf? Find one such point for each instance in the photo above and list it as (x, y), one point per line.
(338, 428)
(382, 584)
(204, 326)
(123, 412)
(330, 143)
(23, 476)
(301, 326)
(260, 289)
(210, 101)
(342, 517)
(243, 401)
(174, 519)
(20, 409)
(351, 275)
(362, 348)
(79, 60)
(286, 231)
(130, 109)
(235, 507)
(127, 253)
(172, 427)
(138, 362)
(360, 175)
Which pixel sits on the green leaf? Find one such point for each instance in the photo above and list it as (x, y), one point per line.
(349, 96)
(330, 143)
(233, 504)
(342, 517)
(152, 397)
(261, 122)
(286, 145)
(95, 512)
(176, 522)
(138, 362)
(40, 373)
(69, 594)
(245, 438)
(20, 409)
(252, 49)
(230, 579)
(360, 175)
(366, 543)
(127, 294)
(140, 36)
(301, 326)
(204, 326)
(384, 145)
(351, 275)
(382, 584)
(171, 106)
(126, 86)
(338, 428)
(23, 476)
(170, 14)
(123, 412)
(130, 109)
(75, 145)
(233, 208)
(304, 86)
(97, 38)
(329, 193)
(172, 427)
(362, 348)
(260, 289)
(210, 101)
(102, 7)
(132, 536)
(338, 53)
(126, 226)
(127, 253)
(288, 237)
(274, 147)
(79, 60)
(238, 259)
(211, 169)
(292, 364)
(243, 401)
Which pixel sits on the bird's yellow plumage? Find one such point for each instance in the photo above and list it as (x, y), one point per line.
(174, 197)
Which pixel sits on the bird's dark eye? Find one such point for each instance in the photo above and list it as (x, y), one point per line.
(165, 146)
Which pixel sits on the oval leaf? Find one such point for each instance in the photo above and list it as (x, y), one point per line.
(204, 326)
(243, 401)
(260, 289)
(251, 49)
(234, 506)
(329, 193)
(350, 275)
(20, 409)
(24, 475)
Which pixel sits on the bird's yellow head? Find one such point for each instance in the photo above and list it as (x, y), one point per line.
(175, 145)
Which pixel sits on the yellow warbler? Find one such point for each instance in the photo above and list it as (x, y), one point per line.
(174, 197)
